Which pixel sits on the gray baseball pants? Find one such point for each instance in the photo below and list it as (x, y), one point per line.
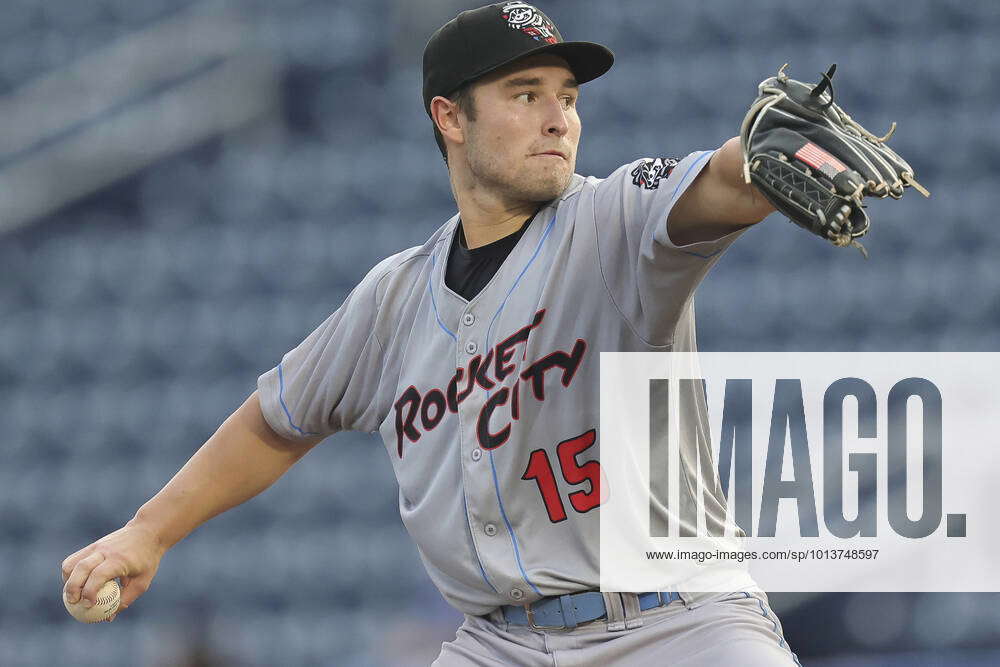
(718, 630)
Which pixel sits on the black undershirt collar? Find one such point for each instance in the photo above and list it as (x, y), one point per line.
(468, 271)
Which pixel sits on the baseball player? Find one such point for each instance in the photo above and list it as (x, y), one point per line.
(475, 357)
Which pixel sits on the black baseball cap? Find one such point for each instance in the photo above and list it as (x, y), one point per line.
(481, 40)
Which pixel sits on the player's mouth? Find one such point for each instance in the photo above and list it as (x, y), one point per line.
(550, 154)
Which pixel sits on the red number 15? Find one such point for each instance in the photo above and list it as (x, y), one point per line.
(540, 470)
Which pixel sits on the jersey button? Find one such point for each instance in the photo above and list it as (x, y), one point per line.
(471, 347)
(516, 593)
(477, 454)
(490, 529)
(468, 319)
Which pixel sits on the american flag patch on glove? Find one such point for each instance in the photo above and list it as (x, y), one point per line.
(817, 158)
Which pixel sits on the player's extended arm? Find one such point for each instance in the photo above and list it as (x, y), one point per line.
(244, 457)
(718, 202)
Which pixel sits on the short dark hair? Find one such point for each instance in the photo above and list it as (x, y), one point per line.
(463, 97)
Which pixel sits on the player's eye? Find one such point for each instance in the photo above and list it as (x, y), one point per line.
(528, 97)
(569, 101)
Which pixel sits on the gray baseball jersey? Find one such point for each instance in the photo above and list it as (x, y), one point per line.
(489, 408)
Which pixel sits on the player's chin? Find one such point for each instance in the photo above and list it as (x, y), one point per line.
(560, 181)
(553, 177)
(544, 189)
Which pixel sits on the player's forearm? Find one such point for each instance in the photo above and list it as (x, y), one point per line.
(242, 458)
(718, 201)
(748, 204)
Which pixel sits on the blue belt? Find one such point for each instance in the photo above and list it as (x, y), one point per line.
(568, 611)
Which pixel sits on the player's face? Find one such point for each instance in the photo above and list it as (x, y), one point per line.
(523, 142)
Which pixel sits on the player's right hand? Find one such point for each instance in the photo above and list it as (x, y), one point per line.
(132, 554)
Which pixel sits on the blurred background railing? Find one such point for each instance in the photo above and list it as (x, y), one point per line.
(188, 188)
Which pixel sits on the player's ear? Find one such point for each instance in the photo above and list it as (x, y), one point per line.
(445, 115)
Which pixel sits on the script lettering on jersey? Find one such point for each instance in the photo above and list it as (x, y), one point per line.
(418, 413)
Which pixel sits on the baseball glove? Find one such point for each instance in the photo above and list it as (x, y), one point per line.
(814, 163)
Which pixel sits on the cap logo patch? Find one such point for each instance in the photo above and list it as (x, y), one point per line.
(529, 20)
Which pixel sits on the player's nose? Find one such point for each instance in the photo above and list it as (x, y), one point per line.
(556, 119)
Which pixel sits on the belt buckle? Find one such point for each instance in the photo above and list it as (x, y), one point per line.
(531, 620)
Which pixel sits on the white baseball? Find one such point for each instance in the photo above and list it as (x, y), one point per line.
(104, 608)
